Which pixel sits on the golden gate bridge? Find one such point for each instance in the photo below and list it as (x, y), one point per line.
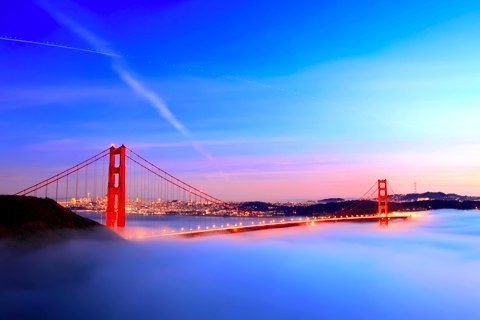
(101, 184)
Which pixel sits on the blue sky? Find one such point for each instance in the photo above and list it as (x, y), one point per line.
(298, 99)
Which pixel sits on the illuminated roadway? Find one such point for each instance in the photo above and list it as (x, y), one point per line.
(274, 224)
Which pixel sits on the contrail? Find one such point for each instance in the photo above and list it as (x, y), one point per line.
(111, 54)
(46, 44)
(119, 66)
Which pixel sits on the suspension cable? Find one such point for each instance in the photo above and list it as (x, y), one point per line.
(63, 174)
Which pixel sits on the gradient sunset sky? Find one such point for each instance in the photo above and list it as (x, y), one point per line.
(249, 100)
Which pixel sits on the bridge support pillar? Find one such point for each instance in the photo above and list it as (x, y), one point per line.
(383, 202)
(116, 187)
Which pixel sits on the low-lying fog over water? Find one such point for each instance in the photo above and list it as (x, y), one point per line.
(139, 226)
(426, 268)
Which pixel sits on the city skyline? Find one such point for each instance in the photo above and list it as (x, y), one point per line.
(332, 98)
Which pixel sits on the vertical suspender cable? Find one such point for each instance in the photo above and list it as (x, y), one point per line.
(86, 182)
(95, 181)
(76, 186)
(66, 192)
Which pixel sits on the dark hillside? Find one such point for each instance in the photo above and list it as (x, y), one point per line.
(357, 207)
(36, 219)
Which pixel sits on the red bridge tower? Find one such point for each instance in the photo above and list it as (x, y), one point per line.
(383, 202)
(116, 187)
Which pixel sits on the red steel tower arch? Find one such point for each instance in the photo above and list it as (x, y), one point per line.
(116, 187)
(383, 202)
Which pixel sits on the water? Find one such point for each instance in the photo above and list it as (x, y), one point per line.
(141, 226)
(426, 268)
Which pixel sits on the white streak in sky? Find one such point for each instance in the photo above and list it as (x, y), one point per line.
(152, 97)
(120, 67)
(46, 44)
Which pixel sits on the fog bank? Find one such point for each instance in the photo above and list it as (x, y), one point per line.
(424, 268)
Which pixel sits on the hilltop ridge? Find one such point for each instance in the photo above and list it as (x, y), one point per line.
(402, 202)
(31, 219)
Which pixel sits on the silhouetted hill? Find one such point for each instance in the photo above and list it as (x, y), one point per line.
(36, 220)
(258, 206)
(331, 200)
(426, 196)
(357, 207)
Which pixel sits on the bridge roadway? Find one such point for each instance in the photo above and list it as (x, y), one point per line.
(284, 223)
